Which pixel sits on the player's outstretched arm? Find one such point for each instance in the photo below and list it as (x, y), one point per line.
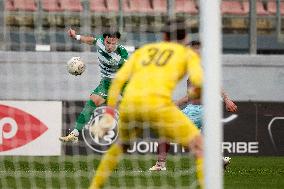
(230, 105)
(84, 39)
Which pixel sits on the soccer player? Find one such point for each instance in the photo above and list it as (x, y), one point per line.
(152, 73)
(194, 111)
(111, 57)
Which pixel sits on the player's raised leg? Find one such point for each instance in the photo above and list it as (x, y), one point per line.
(84, 117)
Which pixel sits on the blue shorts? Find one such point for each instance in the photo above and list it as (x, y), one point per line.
(194, 113)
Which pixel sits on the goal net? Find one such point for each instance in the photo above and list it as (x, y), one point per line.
(40, 101)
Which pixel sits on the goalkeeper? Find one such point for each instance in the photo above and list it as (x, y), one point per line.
(111, 57)
(194, 111)
(152, 73)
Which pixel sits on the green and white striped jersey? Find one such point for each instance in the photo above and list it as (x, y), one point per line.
(109, 62)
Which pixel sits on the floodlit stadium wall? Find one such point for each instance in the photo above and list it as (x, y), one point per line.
(255, 82)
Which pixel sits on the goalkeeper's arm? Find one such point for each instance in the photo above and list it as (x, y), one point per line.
(121, 77)
(115, 89)
(194, 69)
(195, 72)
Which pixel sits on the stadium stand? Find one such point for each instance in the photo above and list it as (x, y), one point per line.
(232, 8)
(71, 5)
(160, 6)
(104, 13)
(265, 23)
(272, 7)
(25, 5)
(9, 5)
(113, 6)
(186, 6)
(141, 16)
(21, 41)
(234, 17)
(260, 10)
(141, 6)
(144, 16)
(51, 5)
(141, 39)
(98, 6)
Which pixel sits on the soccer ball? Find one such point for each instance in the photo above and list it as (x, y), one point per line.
(76, 66)
(226, 162)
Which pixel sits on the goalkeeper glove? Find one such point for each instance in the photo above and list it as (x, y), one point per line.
(106, 123)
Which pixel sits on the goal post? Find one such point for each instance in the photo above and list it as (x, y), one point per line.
(210, 24)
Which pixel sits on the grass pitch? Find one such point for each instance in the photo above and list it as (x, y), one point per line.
(132, 172)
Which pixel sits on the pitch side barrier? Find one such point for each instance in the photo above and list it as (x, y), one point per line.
(255, 130)
(245, 77)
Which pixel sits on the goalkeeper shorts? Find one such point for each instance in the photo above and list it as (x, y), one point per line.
(165, 119)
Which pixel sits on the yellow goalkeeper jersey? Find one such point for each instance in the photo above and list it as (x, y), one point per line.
(154, 70)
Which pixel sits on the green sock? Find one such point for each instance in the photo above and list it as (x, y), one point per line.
(85, 115)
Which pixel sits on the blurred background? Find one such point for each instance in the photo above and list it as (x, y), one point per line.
(29, 23)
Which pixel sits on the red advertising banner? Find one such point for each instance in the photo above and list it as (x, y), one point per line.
(30, 127)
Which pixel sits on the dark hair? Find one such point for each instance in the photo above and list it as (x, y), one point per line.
(194, 43)
(175, 29)
(112, 34)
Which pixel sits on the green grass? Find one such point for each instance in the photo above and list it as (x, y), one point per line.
(77, 171)
(255, 172)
